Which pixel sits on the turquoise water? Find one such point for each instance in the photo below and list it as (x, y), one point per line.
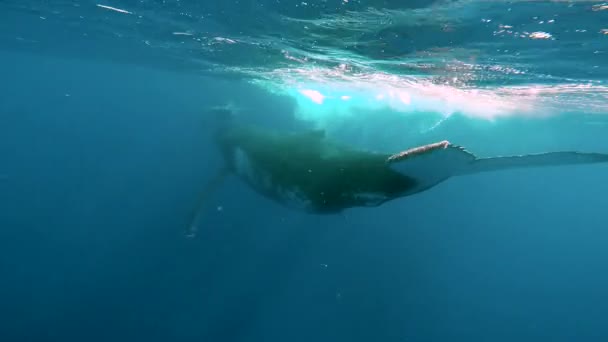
(105, 145)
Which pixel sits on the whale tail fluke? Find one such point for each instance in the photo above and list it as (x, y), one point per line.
(436, 162)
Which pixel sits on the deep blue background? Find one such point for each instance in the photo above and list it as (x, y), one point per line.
(96, 189)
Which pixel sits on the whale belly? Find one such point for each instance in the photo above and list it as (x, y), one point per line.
(262, 181)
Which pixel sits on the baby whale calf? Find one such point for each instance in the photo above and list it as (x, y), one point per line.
(309, 172)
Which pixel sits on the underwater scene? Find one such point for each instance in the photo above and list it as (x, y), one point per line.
(319, 170)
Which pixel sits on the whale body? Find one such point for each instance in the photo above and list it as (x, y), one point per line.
(309, 172)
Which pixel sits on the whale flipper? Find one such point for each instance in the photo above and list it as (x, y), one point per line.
(434, 163)
(431, 164)
(210, 188)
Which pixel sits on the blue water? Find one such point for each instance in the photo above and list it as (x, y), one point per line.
(104, 147)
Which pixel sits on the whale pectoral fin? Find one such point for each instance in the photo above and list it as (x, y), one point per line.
(432, 163)
(534, 160)
(208, 190)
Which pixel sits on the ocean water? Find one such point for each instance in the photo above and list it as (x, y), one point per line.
(105, 145)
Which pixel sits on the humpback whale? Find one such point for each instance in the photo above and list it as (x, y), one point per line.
(308, 171)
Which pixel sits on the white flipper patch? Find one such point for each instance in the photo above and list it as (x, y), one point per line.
(431, 164)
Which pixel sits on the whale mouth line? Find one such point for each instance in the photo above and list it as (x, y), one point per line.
(370, 199)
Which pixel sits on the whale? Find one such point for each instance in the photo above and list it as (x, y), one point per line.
(308, 171)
